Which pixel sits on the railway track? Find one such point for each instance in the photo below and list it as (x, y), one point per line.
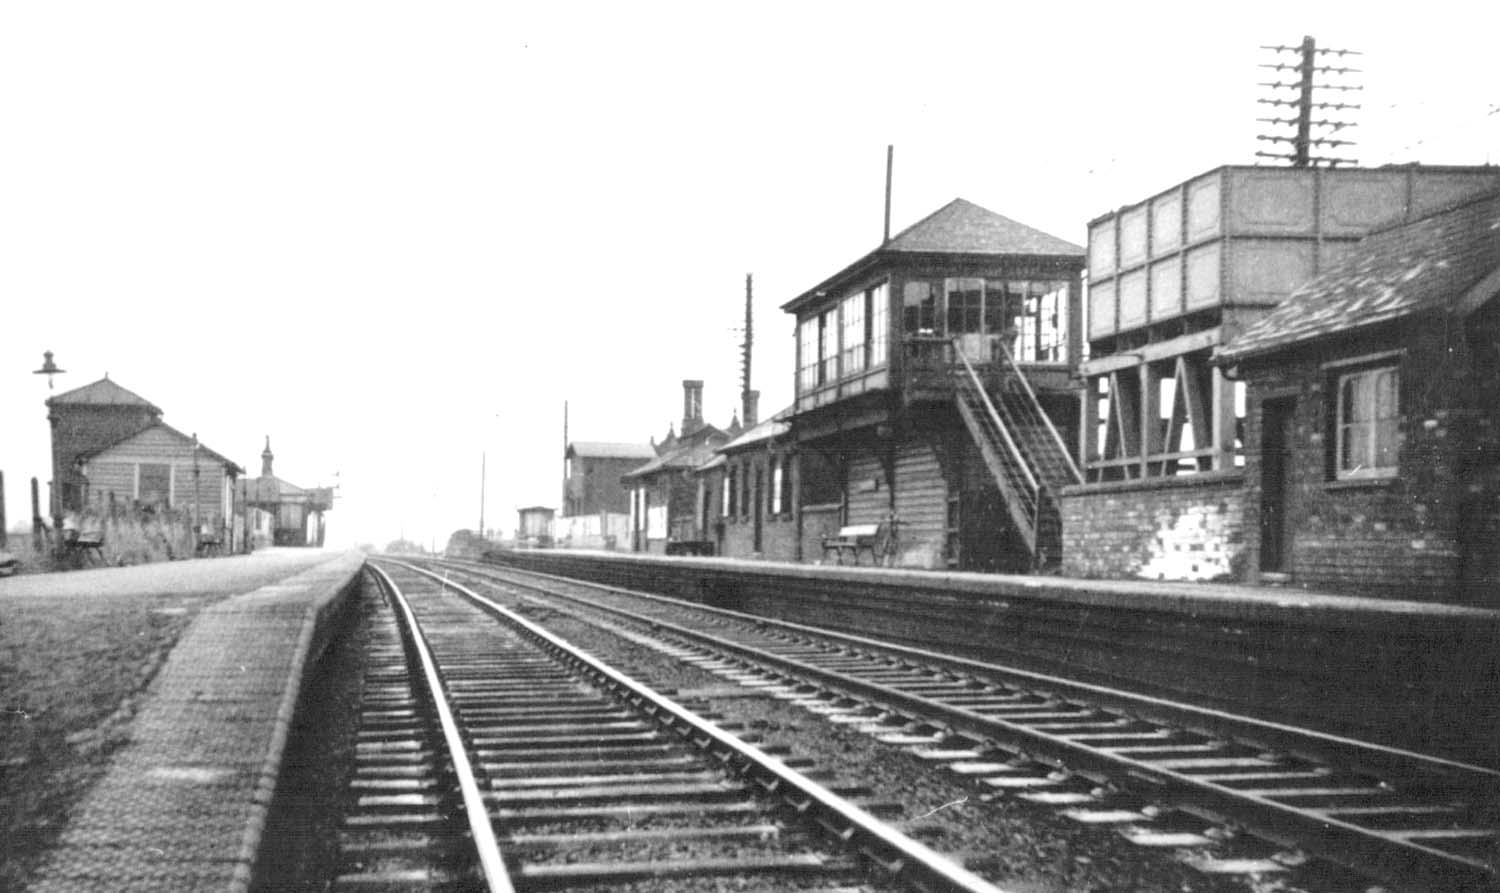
(494, 755)
(1165, 774)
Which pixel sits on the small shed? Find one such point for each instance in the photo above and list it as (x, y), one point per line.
(534, 527)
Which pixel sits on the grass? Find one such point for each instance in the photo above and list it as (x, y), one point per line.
(71, 673)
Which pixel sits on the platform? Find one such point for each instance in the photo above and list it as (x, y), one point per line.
(1412, 674)
(183, 804)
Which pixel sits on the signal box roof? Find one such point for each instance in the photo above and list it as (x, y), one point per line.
(959, 228)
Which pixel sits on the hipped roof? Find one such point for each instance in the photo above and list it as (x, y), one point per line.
(103, 393)
(958, 228)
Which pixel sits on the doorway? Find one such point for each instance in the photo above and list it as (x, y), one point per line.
(1275, 484)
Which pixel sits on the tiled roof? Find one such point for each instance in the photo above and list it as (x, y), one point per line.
(103, 393)
(602, 450)
(1426, 264)
(960, 228)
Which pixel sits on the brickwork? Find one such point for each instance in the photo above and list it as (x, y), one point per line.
(778, 539)
(1182, 528)
(1398, 536)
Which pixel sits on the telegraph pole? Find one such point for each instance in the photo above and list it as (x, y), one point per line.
(1307, 71)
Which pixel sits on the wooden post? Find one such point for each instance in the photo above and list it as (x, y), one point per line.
(36, 517)
(3, 539)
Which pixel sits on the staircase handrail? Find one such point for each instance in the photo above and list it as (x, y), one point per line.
(1017, 457)
(1061, 446)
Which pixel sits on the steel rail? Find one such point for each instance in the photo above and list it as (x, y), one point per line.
(1309, 743)
(1315, 831)
(895, 853)
(486, 847)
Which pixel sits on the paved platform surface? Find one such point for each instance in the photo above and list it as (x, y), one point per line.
(183, 803)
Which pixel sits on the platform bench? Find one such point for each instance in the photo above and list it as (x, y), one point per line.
(853, 538)
(87, 541)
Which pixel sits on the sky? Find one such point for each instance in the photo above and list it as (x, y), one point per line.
(397, 237)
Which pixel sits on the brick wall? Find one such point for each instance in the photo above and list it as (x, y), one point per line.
(1179, 528)
(1395, 537)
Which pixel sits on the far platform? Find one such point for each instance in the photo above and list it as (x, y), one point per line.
(1421, 675)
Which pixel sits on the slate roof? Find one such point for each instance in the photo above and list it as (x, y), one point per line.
(959, 227)
(682, 457)
(103, 393)
(603, 450)
(770, 429)
(1428, 264)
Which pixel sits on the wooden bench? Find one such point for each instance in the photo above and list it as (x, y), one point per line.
(210, 544)
(84, 542)
(853, 538)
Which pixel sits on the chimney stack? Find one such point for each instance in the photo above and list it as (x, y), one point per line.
(692, 406)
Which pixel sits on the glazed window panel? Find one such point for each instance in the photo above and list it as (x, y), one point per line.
(919, 308)
(1368, 435)
(965, 298)
(852, 330)
(807, 355)
(828, 357)
(879, 300)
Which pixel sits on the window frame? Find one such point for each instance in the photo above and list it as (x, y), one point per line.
(1364, 467)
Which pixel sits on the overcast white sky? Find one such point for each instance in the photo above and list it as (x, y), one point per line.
(394, 236)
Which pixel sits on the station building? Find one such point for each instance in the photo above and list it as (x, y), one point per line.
(665, 501)
(935, 390)
(282, 513)
(1167, 435)
(111, 447)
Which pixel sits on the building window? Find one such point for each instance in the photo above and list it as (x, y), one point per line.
(1368, 423)
(807, 355)
(919, 309)
(745, 503)
(876, 316)
(724, 496)
(777, 475)
(965, 305)
(828, 367)
(154, 485)
(732, 492)
(852, 333)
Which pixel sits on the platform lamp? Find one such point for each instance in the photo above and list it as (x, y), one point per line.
(49, 369)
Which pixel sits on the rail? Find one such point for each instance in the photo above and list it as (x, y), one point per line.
(903, 857)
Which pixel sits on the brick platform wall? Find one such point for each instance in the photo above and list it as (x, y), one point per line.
(1179, 528)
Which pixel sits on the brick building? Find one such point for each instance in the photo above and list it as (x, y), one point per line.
(1163, 432)
(591, 483)
(84, 421)
(1373, 416)
(747, 494)
(283, 513)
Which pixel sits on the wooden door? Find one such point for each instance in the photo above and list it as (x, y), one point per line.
(1275, 484)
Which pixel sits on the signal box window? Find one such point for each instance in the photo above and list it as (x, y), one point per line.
(1368, 430)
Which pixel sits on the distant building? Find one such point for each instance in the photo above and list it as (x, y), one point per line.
(592, 479)
(534, 527)
(665, 514)
(84, 421)
(284, 514)
(110, 443)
